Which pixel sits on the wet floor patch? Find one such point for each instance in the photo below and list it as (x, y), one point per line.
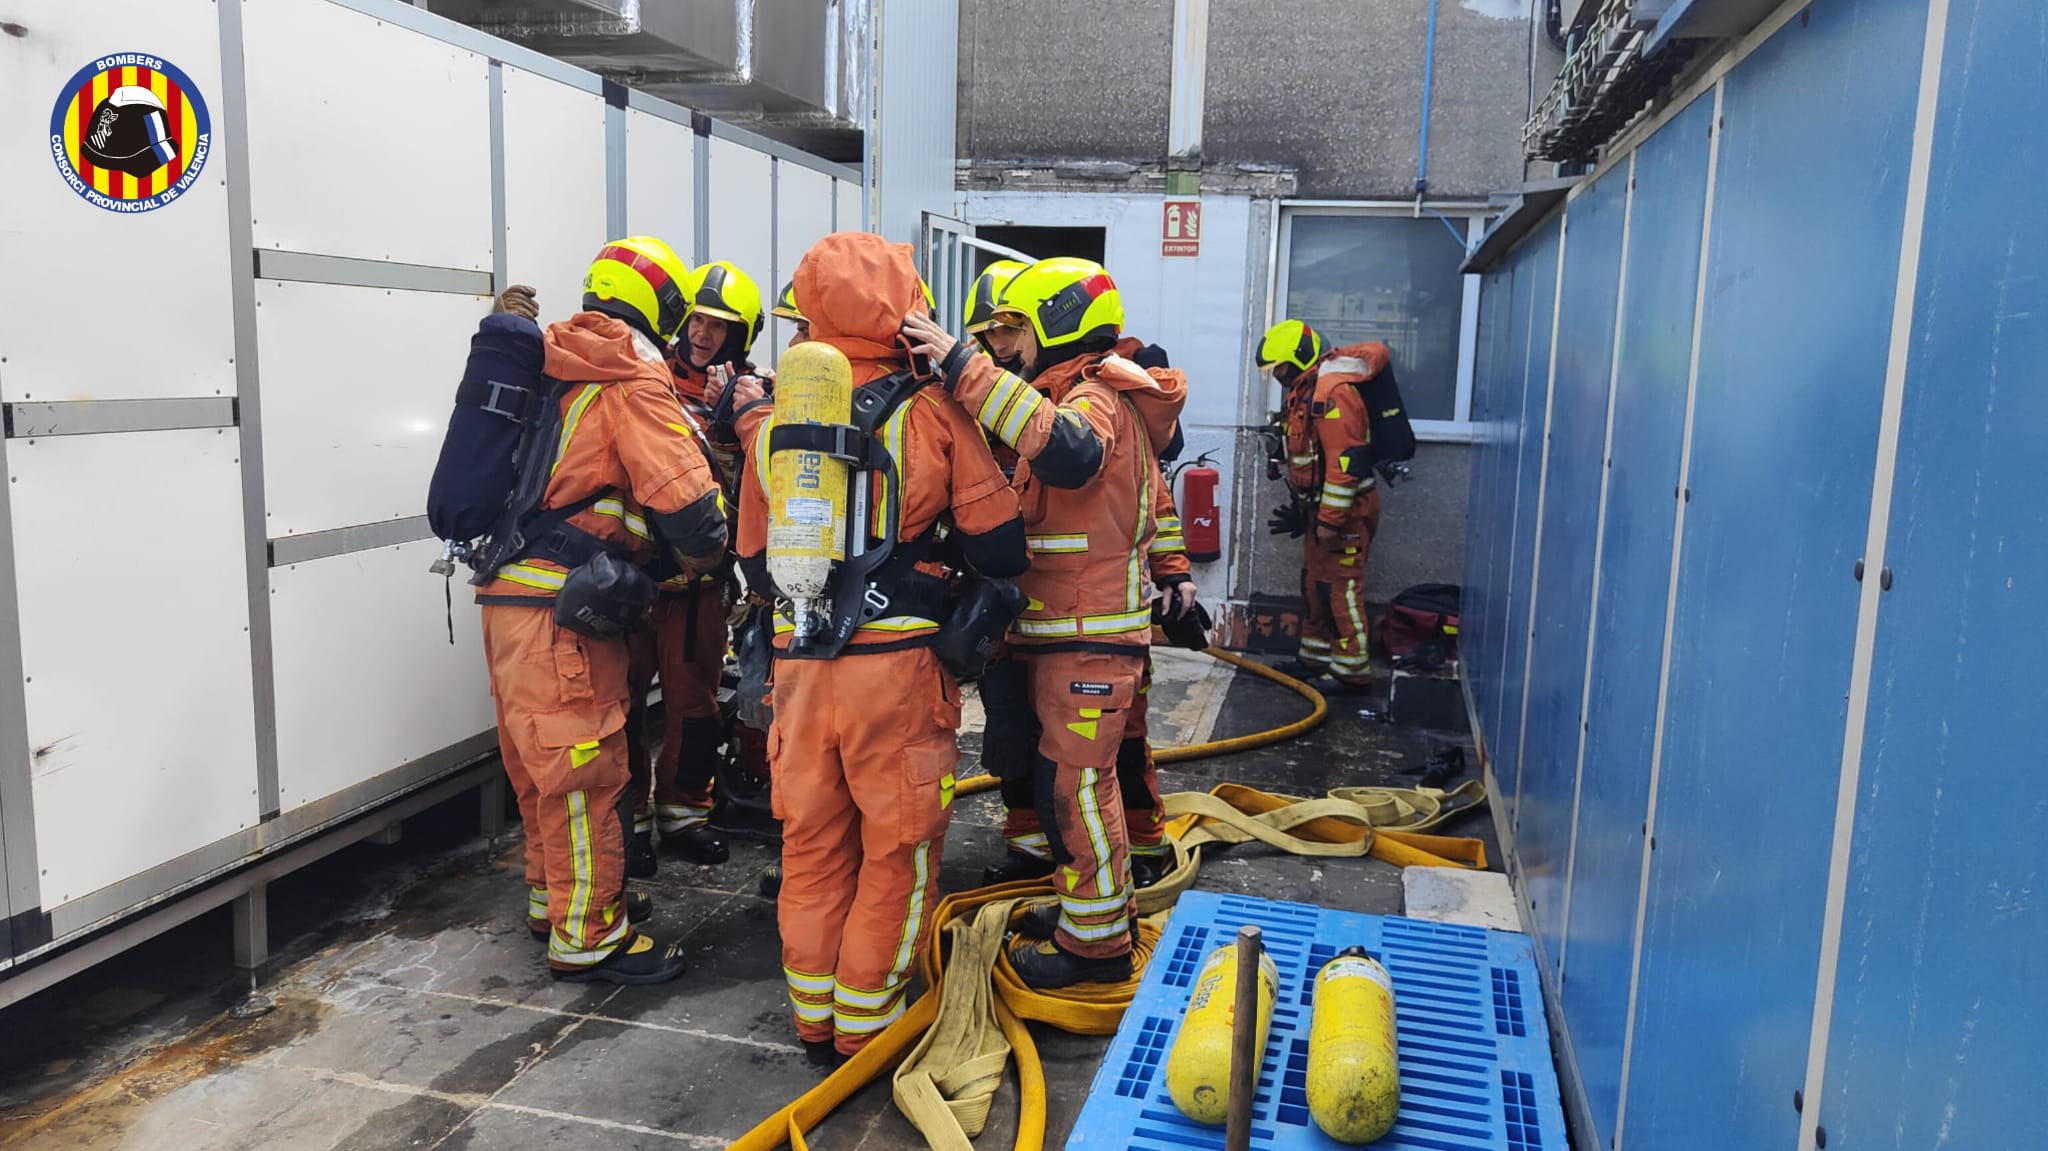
(100, 1115)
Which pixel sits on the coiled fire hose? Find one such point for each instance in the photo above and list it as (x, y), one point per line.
(950, 1047)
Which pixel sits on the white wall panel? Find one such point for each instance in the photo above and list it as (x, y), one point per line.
(135, 649)
(75, 276)
(357, 386)
(554, 188)
(366, 677)
(1192, 307)
(916, 107)
(803, 216)
(742, 218)
(661, 181)
(365, 139)
(847, 195)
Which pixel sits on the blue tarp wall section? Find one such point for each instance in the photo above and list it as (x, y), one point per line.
(1758, 594)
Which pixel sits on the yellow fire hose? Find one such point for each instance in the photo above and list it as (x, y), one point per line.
(953, 1043)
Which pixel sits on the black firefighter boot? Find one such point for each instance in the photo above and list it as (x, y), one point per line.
(698, 843)
(641, 862)
(1039, 921)
(824, 1054)
(1045, 965)
(1016, 865)
(697, 762)
(639, 961)
(1148, 868)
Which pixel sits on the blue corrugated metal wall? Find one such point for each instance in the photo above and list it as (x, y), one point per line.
(1670, 176)
(1528, 380)
(1939, 1004)
(1839, 818)
(1571, 502)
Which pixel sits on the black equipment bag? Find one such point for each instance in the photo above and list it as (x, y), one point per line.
(502, 399)
(1393, 438)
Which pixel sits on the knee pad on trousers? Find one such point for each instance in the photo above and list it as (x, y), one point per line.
(1044, 779)
(1009, 731)
(697, 747)
(1131, 763)
(624, 809)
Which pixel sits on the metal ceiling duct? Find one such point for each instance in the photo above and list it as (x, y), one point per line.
(795, 70)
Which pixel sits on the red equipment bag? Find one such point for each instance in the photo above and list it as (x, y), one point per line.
(1420, 628)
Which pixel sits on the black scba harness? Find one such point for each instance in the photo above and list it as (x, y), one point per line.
(878, 577)
(522, 531)
(604, 593)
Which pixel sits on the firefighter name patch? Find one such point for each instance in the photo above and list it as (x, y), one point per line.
(130, 133)
(1087, 687)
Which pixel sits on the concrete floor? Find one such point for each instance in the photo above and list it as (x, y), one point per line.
(412, 1010)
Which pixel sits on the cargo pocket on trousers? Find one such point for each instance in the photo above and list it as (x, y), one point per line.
(928, 785)
(567, 745)
(572, 667)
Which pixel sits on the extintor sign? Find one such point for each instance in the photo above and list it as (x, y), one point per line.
(1180, 230)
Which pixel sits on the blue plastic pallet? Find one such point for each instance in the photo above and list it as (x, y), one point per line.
(1476, 1072)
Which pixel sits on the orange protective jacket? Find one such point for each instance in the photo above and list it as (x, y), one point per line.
(689, 384)
(622, 433)
(1343, 433)
(1086, 433)
(857, 290)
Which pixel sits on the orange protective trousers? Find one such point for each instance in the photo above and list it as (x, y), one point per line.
(561, 702)
(1334, 635)
(1136, 775)
(862, 754)
(1083, 701)
(686, 644)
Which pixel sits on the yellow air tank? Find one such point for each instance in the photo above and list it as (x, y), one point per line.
(1198, 1067)
(1354, 1083)
(807, 489)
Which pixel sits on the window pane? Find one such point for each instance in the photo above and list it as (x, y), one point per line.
(1387, 278)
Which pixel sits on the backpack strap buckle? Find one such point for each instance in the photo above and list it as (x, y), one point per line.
(495, 404)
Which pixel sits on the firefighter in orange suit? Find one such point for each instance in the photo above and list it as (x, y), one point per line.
(1010, 729)
(1085, 428)
(1006, 753)
(689, 616)
(863, 745)
(1337, 499)
(625, 457)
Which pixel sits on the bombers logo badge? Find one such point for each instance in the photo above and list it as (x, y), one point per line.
(130, 132)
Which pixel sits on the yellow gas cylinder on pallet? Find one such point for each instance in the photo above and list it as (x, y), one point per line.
(807, 488)
(1354, 1082)
(1198, 1067)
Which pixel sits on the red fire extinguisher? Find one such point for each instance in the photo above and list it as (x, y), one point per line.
(1198, 516)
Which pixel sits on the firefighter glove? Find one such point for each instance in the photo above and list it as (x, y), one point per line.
(1289, 519)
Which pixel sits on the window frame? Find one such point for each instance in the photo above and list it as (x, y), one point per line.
(1460, 429)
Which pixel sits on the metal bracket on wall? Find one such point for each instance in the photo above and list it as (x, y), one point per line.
(96, 417)
(309, 268)
(288, 550)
